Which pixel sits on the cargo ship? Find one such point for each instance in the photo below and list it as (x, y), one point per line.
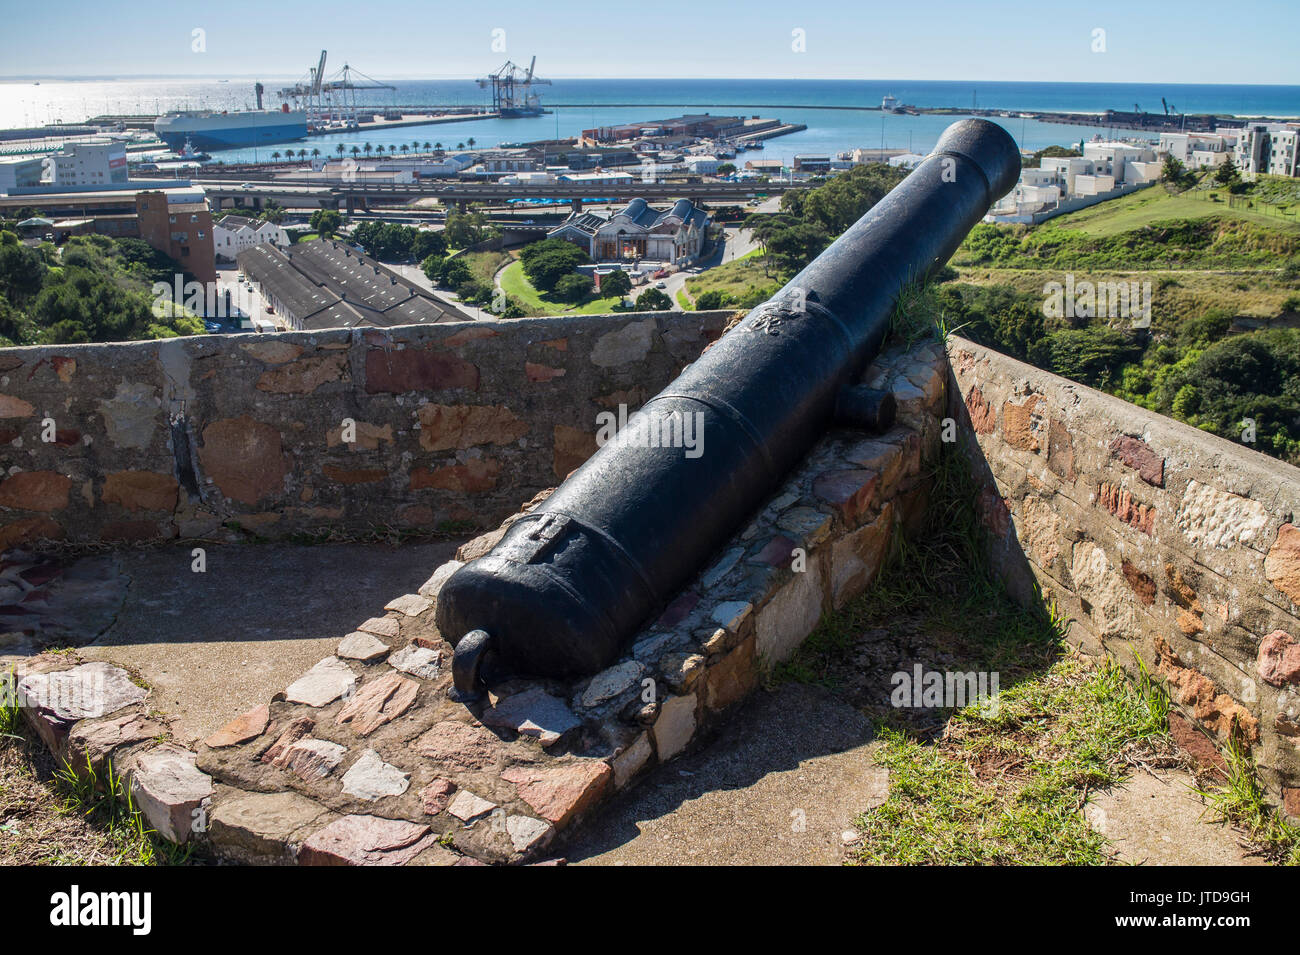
(210, 129)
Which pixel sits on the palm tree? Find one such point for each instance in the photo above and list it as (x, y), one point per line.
(438, 146)
(302, 153)
(315, 152)
(460, 145)
(368, 149)
(340, 149)
(428, 146)
(355, 150)
(275, 156)
(471, 142)
(379, 148)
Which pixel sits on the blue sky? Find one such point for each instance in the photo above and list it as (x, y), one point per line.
(989, 40)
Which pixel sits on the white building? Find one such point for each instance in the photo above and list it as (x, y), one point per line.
(18, 172)
(639, 232)
(1112, 159)
(1269, 148)
(703, 165)
(92, 163)
(1198, 150)
(233, 234)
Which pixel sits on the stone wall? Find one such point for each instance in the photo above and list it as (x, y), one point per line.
(454, 423)
(366, 760)
(1157, 539)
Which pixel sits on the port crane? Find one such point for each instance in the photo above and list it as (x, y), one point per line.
(512, 89)
(333, 101)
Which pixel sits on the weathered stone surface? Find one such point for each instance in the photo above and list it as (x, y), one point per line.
(1219, 519)
(1279, 659)
(93, 741)
(993, 512)
(366, 436)
(131, 415)
(1060, 450)
(628, 344)
(290, 733)
(527, 833)
(13, 407)
(322, 684)
(273, 353)
(1195, 743)
(417, 661)
(417, 369)
(1097, 583)
(244, 457)
(305, 376)
(169, 790)
(1207, 703)
(1120, 502)
(458, 746)
(28, 529)
(731, 614)
(366, 840)
(733, 677)
(632, 760)
(534, 713)
(857, 557)
(371, 778)
(611, 682)
(473, 477)
(789, 616)
(721, 568)
(850, 492)
(681, 670)
(35, 491)
(259, 828)
(381, 627)
(443, 427)
(141, 491)
(1040, 531)
(361, 646)
(410, 605)
(1138, 455)
(1141, 583)
(379, 701)
(1282, 565)
(436, 796)
(1023, 423)
(467, 807)
(311, 759)
(536, 372)
(572, 447)
(242, 728)
(476, 548)
(353, 475)
(82, 692)
(561, 792)
(439, 577)
(675, 726)
(807, 526)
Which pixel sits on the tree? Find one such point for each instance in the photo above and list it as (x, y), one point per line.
(275, 156)
(727, 169)
(1227, 173)
(713, 298)
(340, 149)
(325, 222)
(573, 287)
(653, 300)
(471, 142)
(615, 283)
(315, 152)
(368, 149)
(1173, 171)
(427, 243)
(431, 266)
(548, 261)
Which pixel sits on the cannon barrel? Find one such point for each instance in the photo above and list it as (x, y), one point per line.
(572, 581)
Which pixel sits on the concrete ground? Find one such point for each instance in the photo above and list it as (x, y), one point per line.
(215, 644)
(780, 785)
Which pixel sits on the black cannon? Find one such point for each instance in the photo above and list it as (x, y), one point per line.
(570, 583)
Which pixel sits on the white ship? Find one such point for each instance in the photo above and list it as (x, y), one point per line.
(211, 129)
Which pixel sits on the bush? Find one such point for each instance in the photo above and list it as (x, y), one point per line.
(573, 287)
(615, 283)
(653, 300)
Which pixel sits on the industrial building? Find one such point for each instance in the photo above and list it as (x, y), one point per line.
(90, 163)
(233, 234)
(327, 284)
(673, 236)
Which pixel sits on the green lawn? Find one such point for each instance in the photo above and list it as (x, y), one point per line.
(739, 278)
(484, 265)
(516, 284)
(1149, 206)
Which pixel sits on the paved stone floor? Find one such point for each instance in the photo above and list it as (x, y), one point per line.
(214, 644)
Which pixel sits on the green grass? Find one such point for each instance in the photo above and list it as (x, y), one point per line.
(743, 279)
(1243, 802)
(485, 265)
(10, 714)
(684, 300)
(1007, 784)
(1147, 207)
(108, 803)
(516, 284)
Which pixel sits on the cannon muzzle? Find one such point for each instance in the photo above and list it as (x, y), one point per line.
(571, 582)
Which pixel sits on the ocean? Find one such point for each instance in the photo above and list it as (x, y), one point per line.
(824, 106)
